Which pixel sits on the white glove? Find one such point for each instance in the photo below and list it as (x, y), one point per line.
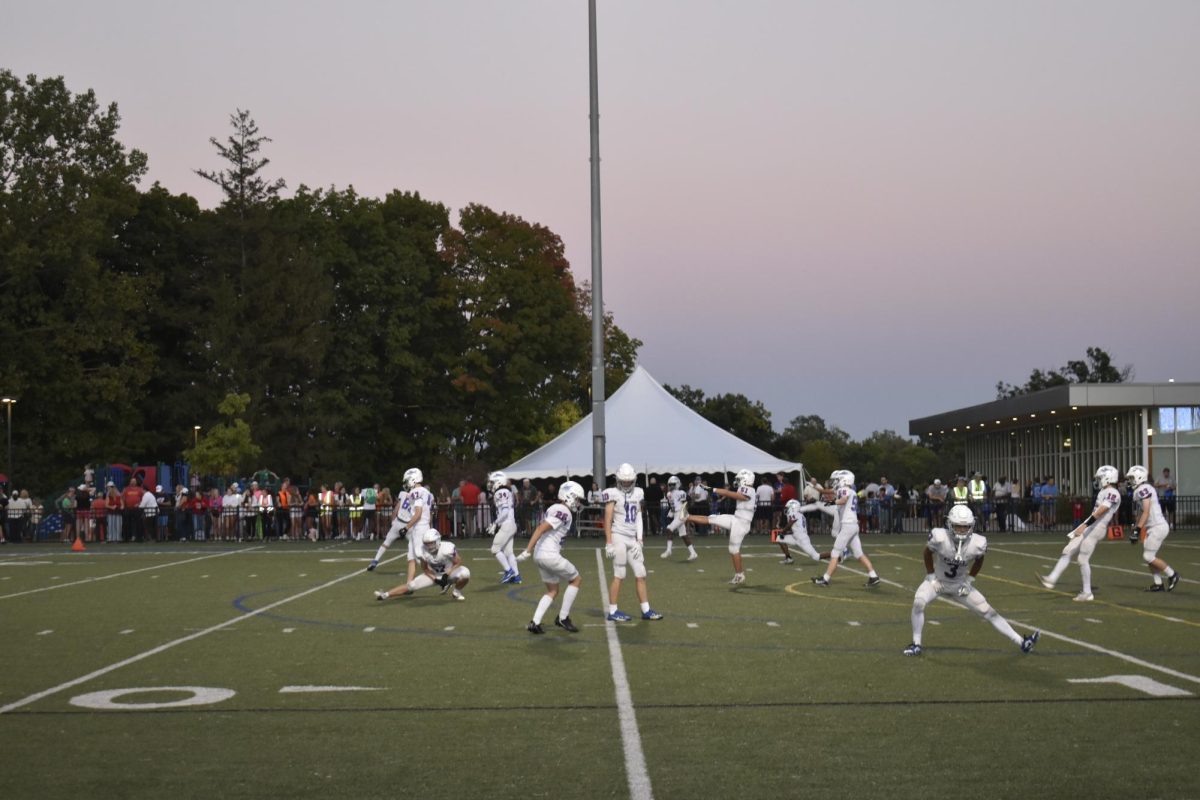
(967, 587)
(1071, 535)
(495, 526)
(608, 551)
(635, 551)
(523, 555)
(937, 585)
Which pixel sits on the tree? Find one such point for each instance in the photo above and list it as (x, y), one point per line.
(1097, 368)
(227, 447)
(620, 350)
(747, 419)
(70, 325)
(241, 182)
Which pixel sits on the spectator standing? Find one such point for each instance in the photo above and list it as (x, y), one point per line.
(199, 507)
(100, 517)
(471, 504)
(1165, 486)
(977, 489)
(698, 499)
(887, 502)
(460, 511)
(764, 501)
(162, 521)
(67, 507)
(1000, 493)
(131, 501)
(1049, 502)
(655, 511)
(112, 512)
(936, 495)
(147, 507)
(370, 496)
(960, 495)
(1035, 502)
(20, 514)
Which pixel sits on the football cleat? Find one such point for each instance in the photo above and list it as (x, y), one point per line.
(516, 578)
(738, 579)
(1172, 582)
(872, 581)
(535, 628)
(381, 595)
(651, 614)
(913, 649)
(1046, 582)
(566, 624)
(618, 616)
(508, 576)
(1029, 641)
(446, 587)
(1084, 597)
(1155, 587)
(693, 556)
(821, 581)
(788, 560)
(371, 567)
(666, 554)
(456, 594)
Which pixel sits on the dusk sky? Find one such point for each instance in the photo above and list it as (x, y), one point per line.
(870, 211)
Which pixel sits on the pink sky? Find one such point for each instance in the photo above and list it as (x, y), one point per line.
(870, 211)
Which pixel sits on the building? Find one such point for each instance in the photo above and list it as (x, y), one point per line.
(1069, 431)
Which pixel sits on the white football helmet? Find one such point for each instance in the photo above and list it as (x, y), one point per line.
(626, 477)
(792, 507)
(1107, 476)
(1137, 475)
(842, 478)
(673, 482)
(744, 477)
(571, 495)
(961, 521)
(431, 541)
(413, 478)
(496, 480)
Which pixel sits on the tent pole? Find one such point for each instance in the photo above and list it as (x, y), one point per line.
(598, 434)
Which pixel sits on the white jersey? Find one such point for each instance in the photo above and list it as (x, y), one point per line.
(797, 524)
(559, 518)
(948, 565)
(845, 515)
(678, 499)
(442, 561)
(627, 510)
(746, 503)
(503, 499)
(1145, 493)
(419, 497)
(1108, 496)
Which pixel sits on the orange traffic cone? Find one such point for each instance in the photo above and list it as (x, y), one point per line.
(78, 547)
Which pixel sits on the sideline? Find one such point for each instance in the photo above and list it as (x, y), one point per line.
(33, 698)
(128, 572)
(635, 758)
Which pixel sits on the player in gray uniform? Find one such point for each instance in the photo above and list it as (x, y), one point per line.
(546, 548)
(958, 554)
(677, 500)
(1152, 529)
(504, 529)
(440, 564)
(1088, 534)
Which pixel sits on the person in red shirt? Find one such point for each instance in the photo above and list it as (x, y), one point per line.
(132, 498)
(470, 498)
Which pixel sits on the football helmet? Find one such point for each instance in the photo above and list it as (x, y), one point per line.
(792, 508)
(961, 521)
(626, 477)
(1137, 475)
(496, 480)
(1107, 476)
(413, 478)
(673, 482)
(431, 541)
(842, 478)
(571, 495)
(744, 477)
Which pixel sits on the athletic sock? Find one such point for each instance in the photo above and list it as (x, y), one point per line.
(1085, 570)
(503, 559)
(691, 550)
(612, 608)
(542, 607)
(1057, 572)
(1170, 573)
(380, 552)
(645, 607)
(568, 600)
(872, 574)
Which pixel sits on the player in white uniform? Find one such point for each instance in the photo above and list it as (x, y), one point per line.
(440, 564)
(845, 528)
(1089, 533)
(401, 517)
(956, 551)
(546, 547)
(504, 529)
(623, 542)
(677, 500)
(797, 531)
(737, 523)
(1152, 529)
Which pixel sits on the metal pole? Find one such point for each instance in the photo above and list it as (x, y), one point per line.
(598, 461)
(9, 466)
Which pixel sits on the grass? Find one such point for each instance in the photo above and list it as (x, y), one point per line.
(774, 689)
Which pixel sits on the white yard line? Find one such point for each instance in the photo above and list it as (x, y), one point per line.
(1077, 642)
(635, 758)
(1142, 572)
(33, 698)
(120, 574)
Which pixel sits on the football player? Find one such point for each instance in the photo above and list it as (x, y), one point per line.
(623, 542)
(1087, 535)
(546, 547)
(1152, 529)
(845, 529)
(440, 564)
(677, 500)
(504, 528)
(401, 517)
(797, 532)
(737, 523)
(958, 554)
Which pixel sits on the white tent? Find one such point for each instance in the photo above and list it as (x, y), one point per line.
(651, 430)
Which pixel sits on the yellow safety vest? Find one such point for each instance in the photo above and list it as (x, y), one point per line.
(976, 491)
(960, 495)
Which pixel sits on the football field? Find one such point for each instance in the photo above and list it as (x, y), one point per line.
(204, 670)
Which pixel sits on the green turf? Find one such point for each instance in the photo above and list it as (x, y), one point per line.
(773, 689)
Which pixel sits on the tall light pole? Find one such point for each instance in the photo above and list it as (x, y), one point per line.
(598, 437)
(195, 436)
(9, 402)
